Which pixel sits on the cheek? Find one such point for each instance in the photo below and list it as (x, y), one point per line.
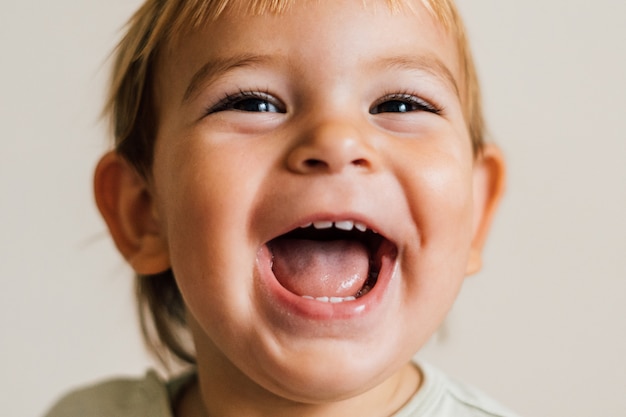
(434, 269)
(203, 193)
(438, 188)
(205, 183)
(209, 253)
(443, 203)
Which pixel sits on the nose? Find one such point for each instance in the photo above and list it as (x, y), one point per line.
(332, 147)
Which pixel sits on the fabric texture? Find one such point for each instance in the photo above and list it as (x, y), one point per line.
(439, 396)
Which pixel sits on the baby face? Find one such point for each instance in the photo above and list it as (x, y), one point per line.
(313, 180)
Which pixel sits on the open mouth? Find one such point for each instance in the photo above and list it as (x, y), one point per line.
(331, 262)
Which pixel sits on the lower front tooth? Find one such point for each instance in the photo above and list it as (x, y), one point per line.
(332, 300)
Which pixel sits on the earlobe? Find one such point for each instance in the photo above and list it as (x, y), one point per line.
(489, 180)
(126, 204)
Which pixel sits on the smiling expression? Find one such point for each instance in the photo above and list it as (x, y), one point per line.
(275, 127)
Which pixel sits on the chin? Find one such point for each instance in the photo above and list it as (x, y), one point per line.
(326, 382)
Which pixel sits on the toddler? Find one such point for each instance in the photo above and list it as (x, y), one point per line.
(301, 187)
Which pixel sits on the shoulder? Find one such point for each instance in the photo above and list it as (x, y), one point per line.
(441, 396)
(146, 396)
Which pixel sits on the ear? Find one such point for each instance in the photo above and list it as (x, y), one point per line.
(126, 203)
(488, 187)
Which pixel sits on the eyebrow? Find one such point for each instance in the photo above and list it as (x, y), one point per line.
(217, 67)
(428, 63)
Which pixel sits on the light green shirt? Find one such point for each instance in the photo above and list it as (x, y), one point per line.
(439, 396)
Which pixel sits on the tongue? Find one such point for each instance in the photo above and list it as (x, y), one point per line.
(336, 268)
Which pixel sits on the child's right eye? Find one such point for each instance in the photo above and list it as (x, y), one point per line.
(248, 101)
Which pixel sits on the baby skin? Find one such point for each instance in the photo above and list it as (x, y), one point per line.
(315, 191)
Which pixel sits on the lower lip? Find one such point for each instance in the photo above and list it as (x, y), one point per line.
(289, 305)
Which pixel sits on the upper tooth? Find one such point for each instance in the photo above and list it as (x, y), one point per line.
(345, 225)
(360, 226)
(342, 225)
(323, 224)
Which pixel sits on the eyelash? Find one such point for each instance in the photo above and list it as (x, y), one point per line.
(407, 97)
(417, 103)
(230, 100)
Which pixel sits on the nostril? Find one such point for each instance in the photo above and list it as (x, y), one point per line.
(315, 163)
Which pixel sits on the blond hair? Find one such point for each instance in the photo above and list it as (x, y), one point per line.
(130, 106)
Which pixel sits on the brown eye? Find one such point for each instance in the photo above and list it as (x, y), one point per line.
(393, 106)
(402, 103)
(248, 101)
(255, 105)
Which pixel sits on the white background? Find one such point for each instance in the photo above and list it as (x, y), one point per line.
(542, 329)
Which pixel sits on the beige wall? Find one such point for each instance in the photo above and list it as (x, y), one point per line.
(543, 328)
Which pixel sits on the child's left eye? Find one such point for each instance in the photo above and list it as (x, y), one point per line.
(402, 103)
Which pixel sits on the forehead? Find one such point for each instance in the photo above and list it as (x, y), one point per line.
(264, 27)
(182, 15)
(181, 18)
